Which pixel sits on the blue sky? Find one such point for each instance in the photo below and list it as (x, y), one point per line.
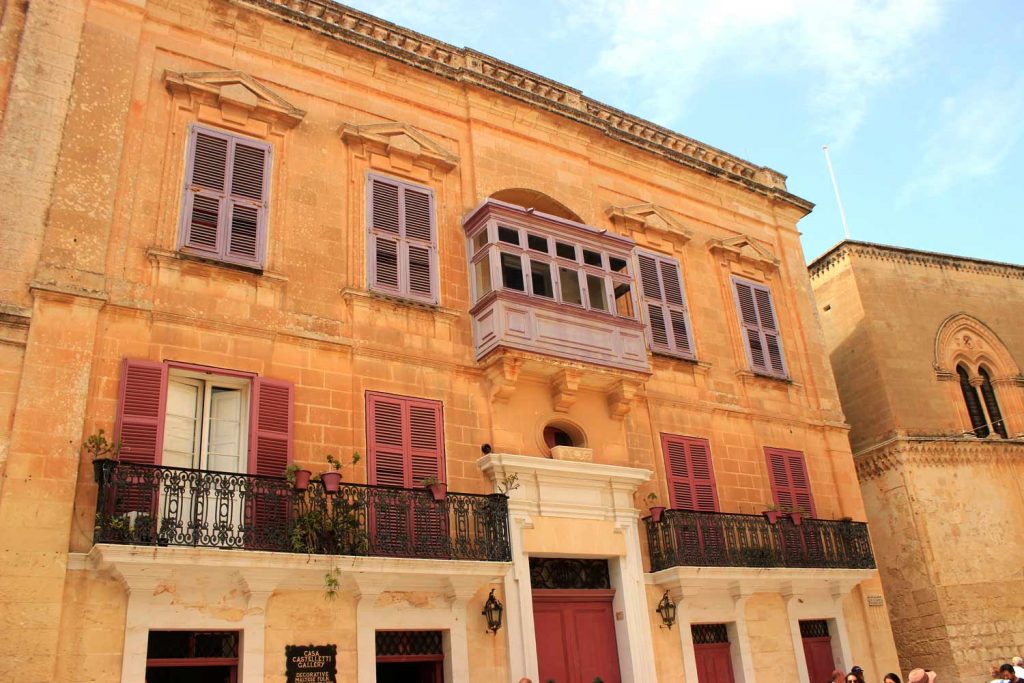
(920, 101)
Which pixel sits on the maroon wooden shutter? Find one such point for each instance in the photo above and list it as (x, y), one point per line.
(271, 426)
(759, 327)
(402, 239)
(791, 486)
(691, 476)
(225, 212)
(385, 438)
(140, 411)
(668, 321)
(405, 440)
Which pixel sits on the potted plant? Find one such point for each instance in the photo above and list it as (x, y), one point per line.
(104, 455)
(297, 477)
(437, 488)
(771, 513)
(797, 516)
(657, 511)
(331, 479)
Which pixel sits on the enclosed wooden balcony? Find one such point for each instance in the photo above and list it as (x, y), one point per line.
(552, 287)
(170, 506)
(685, 538)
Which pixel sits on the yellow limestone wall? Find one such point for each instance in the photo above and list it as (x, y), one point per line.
(92, 163)
(943, 509)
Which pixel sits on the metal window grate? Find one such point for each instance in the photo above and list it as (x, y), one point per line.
(817, 628)
(192, 644)
(555, 573)
(707, 634)
(406, 643)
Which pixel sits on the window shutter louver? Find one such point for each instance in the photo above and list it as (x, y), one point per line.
(271, 426)
(691, 477)
(791, 486)
(226, 196)
(759, 328)
(425, 446)
(665, 303)
(386, 441)
(989, 394)
(403, 240)
(140, 411)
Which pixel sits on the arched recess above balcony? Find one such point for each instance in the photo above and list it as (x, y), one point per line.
(962, 338)
(537, 201)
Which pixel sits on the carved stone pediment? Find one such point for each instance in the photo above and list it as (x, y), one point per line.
(649, 217)
(238, 95)
(401, 140)
(746, 248)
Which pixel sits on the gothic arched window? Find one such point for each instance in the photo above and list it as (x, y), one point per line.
(989, 395)
(977, 414)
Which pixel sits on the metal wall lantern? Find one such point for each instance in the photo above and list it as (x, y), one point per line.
(667, 610)
(493, 610)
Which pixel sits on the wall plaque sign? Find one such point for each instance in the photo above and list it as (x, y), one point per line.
(311, 663)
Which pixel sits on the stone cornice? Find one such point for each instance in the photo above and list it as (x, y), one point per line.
(927, 259)
(471, 67)
(935, 451)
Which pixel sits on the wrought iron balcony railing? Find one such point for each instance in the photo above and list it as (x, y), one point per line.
(711, 539)
(152, 505)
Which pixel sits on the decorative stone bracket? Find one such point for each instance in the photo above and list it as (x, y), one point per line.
(565, 390)
(620, 399)
(502, 377)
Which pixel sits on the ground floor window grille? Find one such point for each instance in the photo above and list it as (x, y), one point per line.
(193, 656)
(817, 628)
(408, 643)
(708, 634)
(558, 573)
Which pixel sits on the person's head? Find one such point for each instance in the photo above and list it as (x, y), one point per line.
(921, 676)
(524, 679)
(1007, 673)
(838, 676)
(1018, 661)
(852, 678)
(892, 678)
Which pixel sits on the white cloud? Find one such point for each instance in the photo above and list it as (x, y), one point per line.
(666, 51)
(974, 132)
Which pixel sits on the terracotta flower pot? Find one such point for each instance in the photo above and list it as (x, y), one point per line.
(656, 513)
(797, 517)
(302, 479)
(438, 491)
(771, 515)
(331, 480)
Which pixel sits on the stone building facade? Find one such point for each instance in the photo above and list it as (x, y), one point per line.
(926, 350)
(242, 235)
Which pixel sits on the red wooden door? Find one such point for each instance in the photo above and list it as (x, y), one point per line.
(714, 663)
(818, 653)
(575, 632)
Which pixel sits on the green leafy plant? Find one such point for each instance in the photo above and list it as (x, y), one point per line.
(430, 481)
(289, 473)
(100, 448)
(331, 583)
(651, 498)
(510, 482)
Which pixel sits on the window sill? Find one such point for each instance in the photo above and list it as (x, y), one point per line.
(747, 375)
(695, 363)
(366, 296)
(170, 258)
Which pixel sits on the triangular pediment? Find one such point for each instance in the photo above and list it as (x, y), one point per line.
(402, 139)
(649, 217)
(746, 248)
(237, 90)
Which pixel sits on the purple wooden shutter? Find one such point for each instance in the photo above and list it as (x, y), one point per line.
(271, 426)
(402, 239)
(668, 321)
(418, 231)
(791, 486)
(140, 411)
(205, 190)
(250, 171)
(759, 327)
(691, 477)
(225, 213)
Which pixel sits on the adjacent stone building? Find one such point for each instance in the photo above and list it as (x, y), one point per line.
(241, 236)
(927, 351)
